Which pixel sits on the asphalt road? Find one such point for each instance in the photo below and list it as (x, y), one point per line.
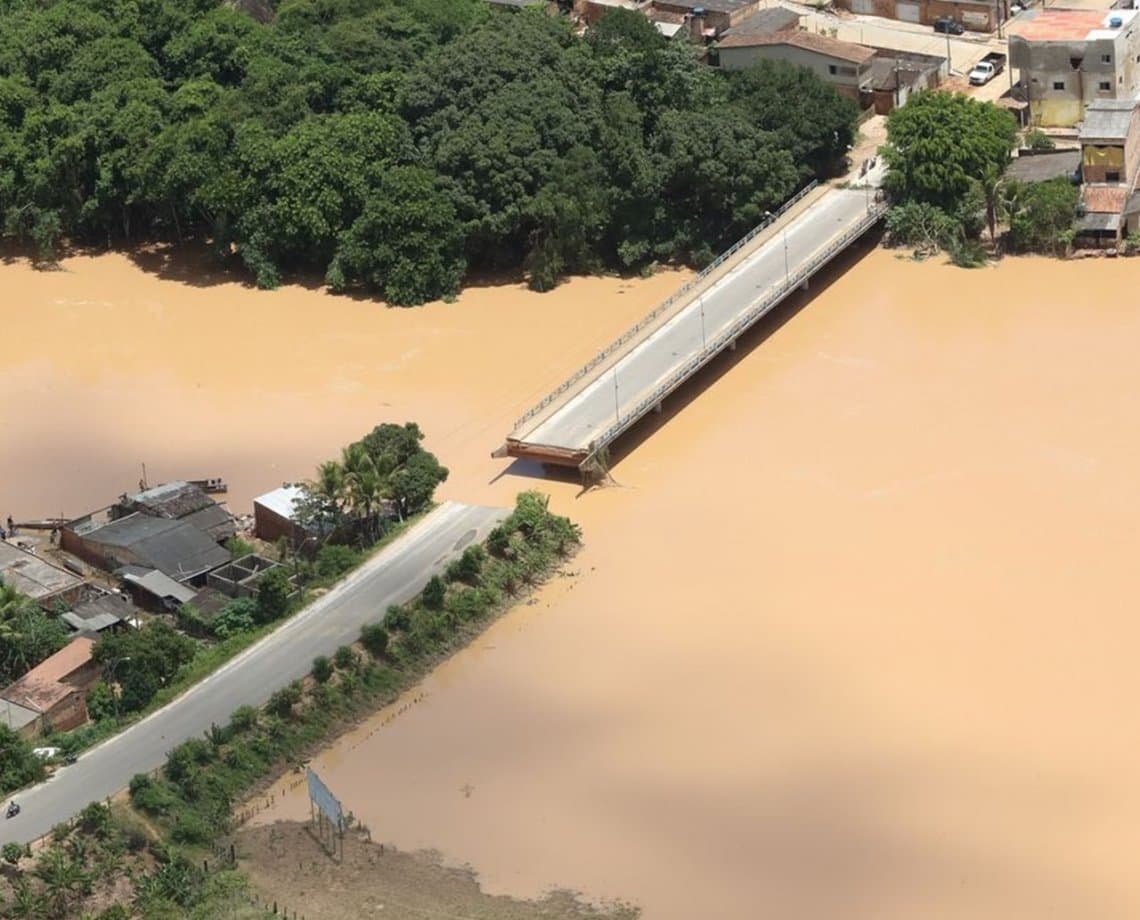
(620, 388)
(393, 576)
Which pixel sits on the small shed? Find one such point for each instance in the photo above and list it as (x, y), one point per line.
(154, 590)
(275, 514)
(103, 612)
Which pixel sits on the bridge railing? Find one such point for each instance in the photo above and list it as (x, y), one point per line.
(759, 307)
(678, 295)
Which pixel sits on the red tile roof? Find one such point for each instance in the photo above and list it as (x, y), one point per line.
(809, 41)
(1105, 199)
(43, 686)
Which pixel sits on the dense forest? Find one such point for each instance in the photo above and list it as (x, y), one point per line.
(392, 145)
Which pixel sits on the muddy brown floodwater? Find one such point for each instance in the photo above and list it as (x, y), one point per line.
(853, 639)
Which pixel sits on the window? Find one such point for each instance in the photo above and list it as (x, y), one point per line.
(1058, 84)
(1112, 177)
(847, 71)
(1104, 86)
(1106, 58)
(832, 69)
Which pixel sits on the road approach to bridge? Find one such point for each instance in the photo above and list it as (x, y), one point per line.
(394, 575)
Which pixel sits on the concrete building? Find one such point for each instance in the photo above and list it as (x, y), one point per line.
(37, 578)
(845, 66)
(977, 15)
(1067, 59)
(897, 74)
(240, 577)
(714, 16)
(1110, 165)
(53, 695)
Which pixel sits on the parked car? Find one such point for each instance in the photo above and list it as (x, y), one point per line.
(948, 26)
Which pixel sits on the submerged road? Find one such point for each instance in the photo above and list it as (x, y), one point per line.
(617, 393)
(394, 575)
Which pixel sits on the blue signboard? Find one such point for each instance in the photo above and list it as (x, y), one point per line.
(325, 800)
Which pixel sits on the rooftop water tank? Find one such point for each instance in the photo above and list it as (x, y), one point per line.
(1115, 22)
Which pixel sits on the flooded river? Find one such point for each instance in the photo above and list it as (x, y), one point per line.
(851, 639)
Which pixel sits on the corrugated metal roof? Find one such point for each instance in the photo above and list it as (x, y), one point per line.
(766, 22)
(1098, 222)
(1042, 167)
(161, 586)
(1107, 119)
(175, 547)
(281, 502)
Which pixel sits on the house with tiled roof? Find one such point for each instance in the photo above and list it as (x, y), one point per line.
(53, 695)
(844, 65)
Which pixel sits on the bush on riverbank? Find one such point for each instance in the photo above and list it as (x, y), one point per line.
(393, 147)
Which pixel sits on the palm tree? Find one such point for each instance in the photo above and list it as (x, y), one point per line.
(993, 191)
(364, 486)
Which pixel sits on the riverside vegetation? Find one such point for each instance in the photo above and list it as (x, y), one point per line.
(948, 155)
(146, 860)
(393, 147)
(355, 506)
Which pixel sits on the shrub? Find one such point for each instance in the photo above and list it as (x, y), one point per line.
(243, 719)
(95, 819)
(191, 828)
(238, 547)
(433, 593)
(283, 701)
(374, 637)
(115, 912)
(468, 604)
(272, 595)
(12, 853)
(101, 702)
(238, 616)
(335, 559)
(499, 541)
(140, 782)
(346, 658)
(397, 617)
(1039, 140)
(322, 669)
(468, 567)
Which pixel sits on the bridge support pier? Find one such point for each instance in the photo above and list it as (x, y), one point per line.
(732, 345)
(805, 285)
(658, 407)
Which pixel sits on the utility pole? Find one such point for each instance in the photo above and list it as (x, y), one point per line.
(617, 405)
(704, 342)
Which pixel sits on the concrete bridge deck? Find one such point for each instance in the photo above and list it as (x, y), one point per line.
(633, 376)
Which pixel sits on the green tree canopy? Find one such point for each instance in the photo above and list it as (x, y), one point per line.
(939, 143)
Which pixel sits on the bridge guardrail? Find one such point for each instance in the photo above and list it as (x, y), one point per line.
(626, 336)
(759, 307)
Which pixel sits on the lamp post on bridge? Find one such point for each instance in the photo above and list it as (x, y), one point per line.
(617, 404)
(787, 271)
(704, 341)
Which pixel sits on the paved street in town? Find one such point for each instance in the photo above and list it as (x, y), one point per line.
(392, 576)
